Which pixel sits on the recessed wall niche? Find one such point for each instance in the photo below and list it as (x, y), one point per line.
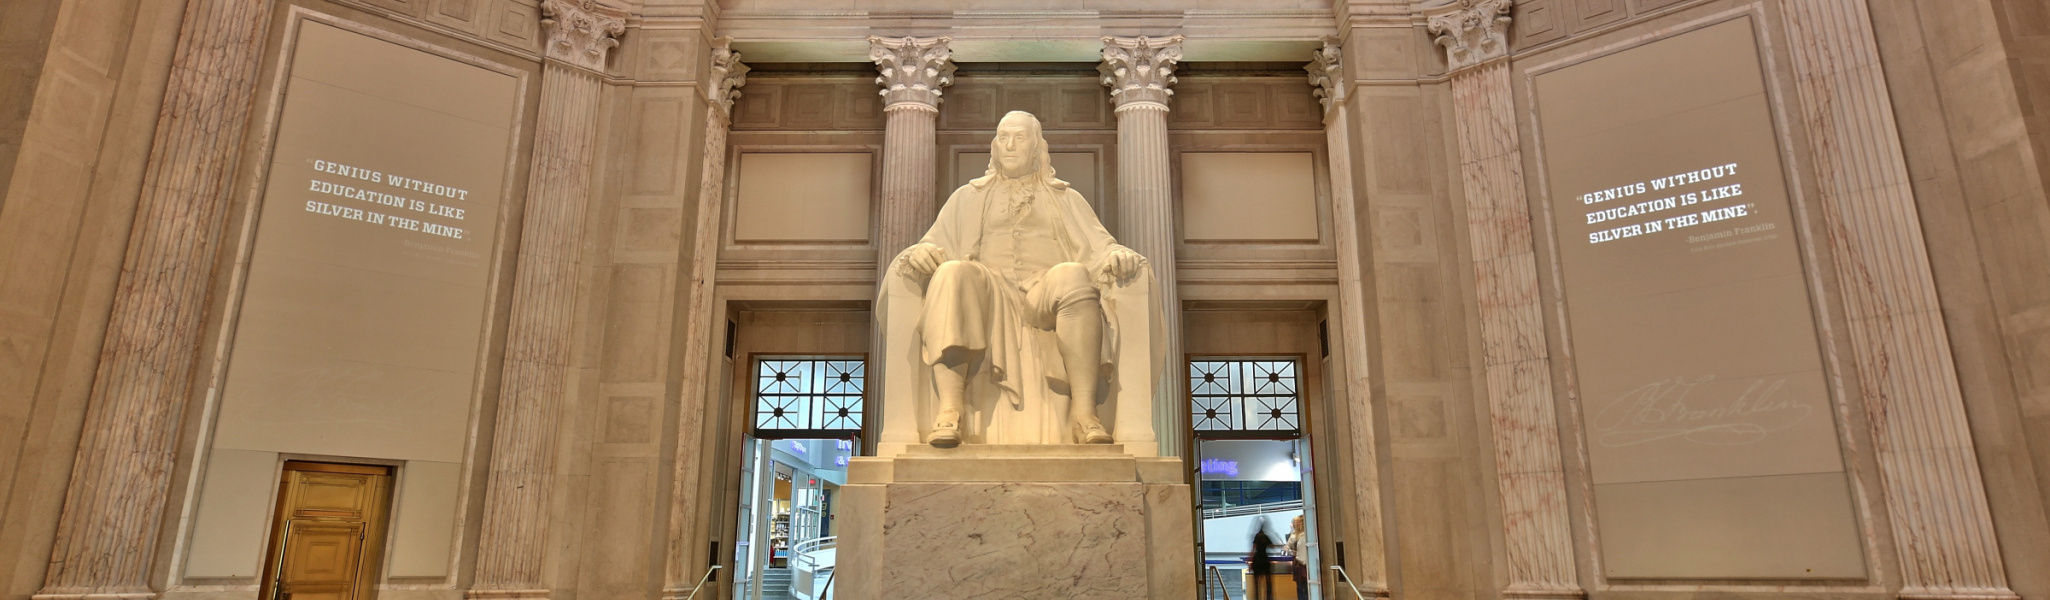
(1249, 197)
(803, 197)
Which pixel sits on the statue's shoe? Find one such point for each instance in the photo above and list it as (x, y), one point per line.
(946, 433)
(1092, 433)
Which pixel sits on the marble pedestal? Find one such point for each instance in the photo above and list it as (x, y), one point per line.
(1067, 522)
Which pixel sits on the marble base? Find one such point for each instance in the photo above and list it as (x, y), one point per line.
(1026, 522)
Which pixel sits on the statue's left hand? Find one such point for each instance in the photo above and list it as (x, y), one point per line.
(1122, 263)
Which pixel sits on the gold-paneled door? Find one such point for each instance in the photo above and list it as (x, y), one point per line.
(328, 537)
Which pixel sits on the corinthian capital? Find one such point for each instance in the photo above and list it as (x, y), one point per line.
(1140, 69)
(726, 76)
(1472, 31)
(1328, 83)
(913, 69)
(581, 32)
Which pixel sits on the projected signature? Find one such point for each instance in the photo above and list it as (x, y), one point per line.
(1700, 410)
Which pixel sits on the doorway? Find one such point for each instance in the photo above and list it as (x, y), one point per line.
(806, 422)
(327, 538)
(1259, 394)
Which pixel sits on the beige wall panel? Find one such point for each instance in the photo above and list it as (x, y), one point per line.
(1249, 196)
(1684, 529)
(227, 534)
(1693, 333)
(425, 518)
(804, 197)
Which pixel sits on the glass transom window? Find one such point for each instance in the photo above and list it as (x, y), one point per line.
(809, 394)
(1244, 395)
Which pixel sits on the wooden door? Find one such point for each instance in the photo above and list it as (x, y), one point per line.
(328, 533)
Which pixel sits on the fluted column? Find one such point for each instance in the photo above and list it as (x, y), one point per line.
(512, 543)
(1936, 499)
(913, 71)
(686, 566)
(107, 534)
(1515, 355)
(1140, 73)
(1369, 570)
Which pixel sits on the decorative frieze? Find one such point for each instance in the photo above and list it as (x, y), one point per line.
(913, 70)
(581, 32)
(107, 534)
(1935, 496)
(1472, 31)
(512, 544)
(1140, 70)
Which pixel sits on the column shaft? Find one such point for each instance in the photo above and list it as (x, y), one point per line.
(1146, 225)
(910, 201)
(107, 534)
(512, 543)
(1907, 377)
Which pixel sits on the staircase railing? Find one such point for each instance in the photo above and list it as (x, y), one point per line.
(1356, 594)
(701, 582)
(1215, 577)
(1251, 509)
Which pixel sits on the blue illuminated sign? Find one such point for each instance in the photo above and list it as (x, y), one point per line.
(1219, 466)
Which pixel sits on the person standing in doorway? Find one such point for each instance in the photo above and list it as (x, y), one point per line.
(1299, 555)
(1261, 563)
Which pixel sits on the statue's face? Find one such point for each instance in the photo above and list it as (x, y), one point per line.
(1015, 147)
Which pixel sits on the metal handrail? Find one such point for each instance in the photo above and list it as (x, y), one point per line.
(1251, 509)
(1215, 576)
(1348, 582)
(701, 582)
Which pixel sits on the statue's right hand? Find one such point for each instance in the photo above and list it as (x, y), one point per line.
(921, 259)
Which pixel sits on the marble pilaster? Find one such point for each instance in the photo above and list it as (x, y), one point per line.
(1369, 570)
(113, 508)
(1516, 357)
(684, 568)
(913, 71)
(1140, 74)
(1936, 498)
(512, 544)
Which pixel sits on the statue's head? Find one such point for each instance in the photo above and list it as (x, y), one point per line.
(1019, 150)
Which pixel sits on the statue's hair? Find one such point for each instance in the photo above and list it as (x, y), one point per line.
(1042, 170)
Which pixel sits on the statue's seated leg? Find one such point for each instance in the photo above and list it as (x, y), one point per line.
(1077, 310)
(955, 323)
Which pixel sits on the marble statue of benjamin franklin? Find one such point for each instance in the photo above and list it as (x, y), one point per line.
(1014, 256)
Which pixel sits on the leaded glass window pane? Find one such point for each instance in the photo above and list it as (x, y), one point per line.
(809, 393)
(1244, 395)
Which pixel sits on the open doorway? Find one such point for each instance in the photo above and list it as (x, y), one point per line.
(807, 419)
(1256, 507)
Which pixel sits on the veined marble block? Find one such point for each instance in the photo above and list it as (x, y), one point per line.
(1026, 522)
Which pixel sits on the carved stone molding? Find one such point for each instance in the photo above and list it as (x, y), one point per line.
(581, 32)
(913, 70)
(1325, 73)
(1472, 31)
(1140, 69)
(1936, 498)
(726, 76)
